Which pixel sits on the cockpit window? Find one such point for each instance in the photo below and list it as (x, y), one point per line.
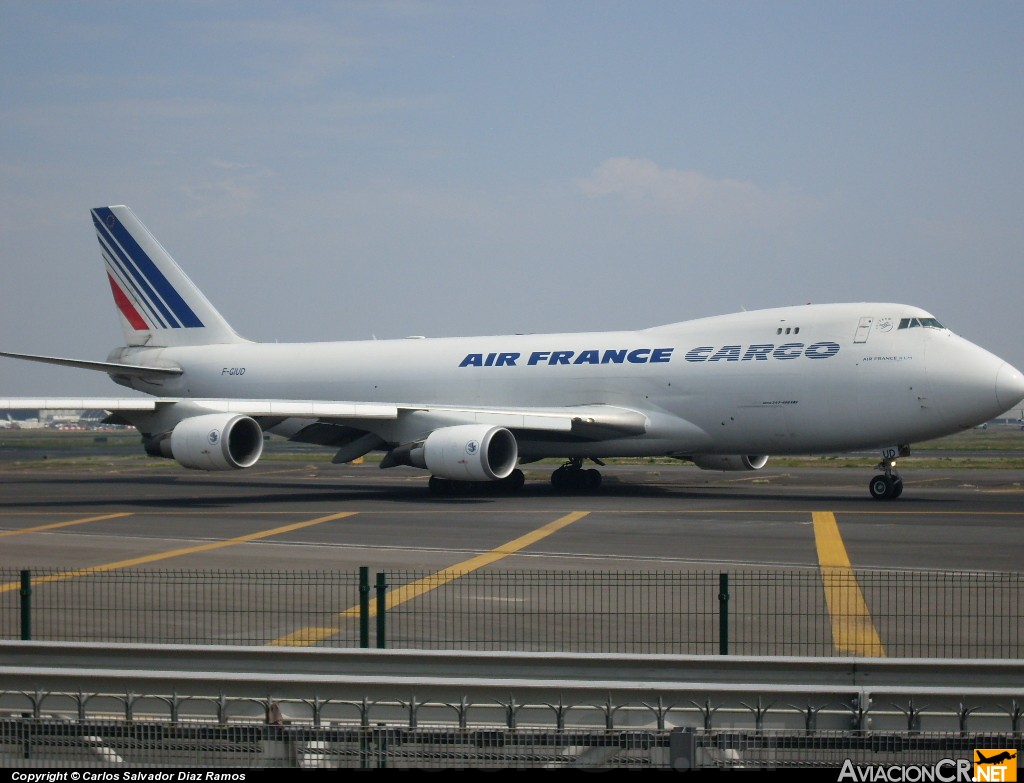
(912, 323)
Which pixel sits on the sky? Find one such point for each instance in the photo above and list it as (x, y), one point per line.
(349, 170)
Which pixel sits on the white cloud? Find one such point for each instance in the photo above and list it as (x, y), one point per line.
(226, 189)
(231, 165)
(293, 53)
(696, 198)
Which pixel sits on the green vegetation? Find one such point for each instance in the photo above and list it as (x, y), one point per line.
(63, 440)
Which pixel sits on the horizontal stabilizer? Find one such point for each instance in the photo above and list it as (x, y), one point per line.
(110, 368)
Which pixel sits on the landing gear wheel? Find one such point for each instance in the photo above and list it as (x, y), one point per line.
(882, 487)
(513, 482)
(440, 486)
(571, 477)
(888, 485)
(561, 479)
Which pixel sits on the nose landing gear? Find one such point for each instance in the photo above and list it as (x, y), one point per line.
(888, 485)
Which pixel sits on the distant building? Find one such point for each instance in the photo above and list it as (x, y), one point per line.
(1014, 416)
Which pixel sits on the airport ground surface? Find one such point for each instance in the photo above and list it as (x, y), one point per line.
(111, 509)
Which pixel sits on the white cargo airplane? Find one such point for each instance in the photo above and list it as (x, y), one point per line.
(721, 392)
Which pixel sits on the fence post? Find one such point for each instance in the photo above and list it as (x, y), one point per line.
(364, 606)
(723, 614)
(382, 587)
(26, 605)
(682, 749)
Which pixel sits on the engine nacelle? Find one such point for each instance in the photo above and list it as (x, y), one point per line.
(729, 461)
(217, 441)
(468, 452)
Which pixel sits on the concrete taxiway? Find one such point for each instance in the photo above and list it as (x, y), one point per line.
(297, 515)
(66, 520)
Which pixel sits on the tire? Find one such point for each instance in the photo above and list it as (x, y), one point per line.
(881, 487)
(439, 486)
(560, 479)
(897, 487)
(513, 482)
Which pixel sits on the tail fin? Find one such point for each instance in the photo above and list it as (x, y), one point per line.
(159, 305)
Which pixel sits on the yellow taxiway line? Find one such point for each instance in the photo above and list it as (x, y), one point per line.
(853, 630)
(313, 634)
(137, 561)
(55, 525)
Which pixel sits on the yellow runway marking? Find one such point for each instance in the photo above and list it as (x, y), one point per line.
(135, 561)
(312, 635)
(853, 630)
(55, 525)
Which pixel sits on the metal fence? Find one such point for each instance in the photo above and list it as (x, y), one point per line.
(116, 744)
(805, 613)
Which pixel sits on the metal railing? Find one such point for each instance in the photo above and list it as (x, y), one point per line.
(135, 705)
(914, 614)
(112, 745)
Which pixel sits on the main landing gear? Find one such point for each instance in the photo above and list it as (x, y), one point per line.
(443, 486)
(888, 485)
(571, 477)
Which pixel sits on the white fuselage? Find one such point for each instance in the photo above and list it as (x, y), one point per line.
(790, 380)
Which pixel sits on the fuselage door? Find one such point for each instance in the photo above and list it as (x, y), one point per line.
(863, 329)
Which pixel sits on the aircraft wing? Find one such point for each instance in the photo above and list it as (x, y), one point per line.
(305, 409)
(594, 421)
(112, 404)
(586, 421)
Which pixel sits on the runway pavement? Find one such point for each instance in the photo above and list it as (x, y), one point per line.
(299, 515)
(105, 515)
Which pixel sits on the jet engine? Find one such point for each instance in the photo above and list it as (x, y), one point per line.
(729, 461)
(467, 452)
(215, 441)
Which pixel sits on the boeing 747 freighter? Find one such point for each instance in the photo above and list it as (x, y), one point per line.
(723, 392)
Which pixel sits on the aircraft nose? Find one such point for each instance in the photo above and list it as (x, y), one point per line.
(1009, 386)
